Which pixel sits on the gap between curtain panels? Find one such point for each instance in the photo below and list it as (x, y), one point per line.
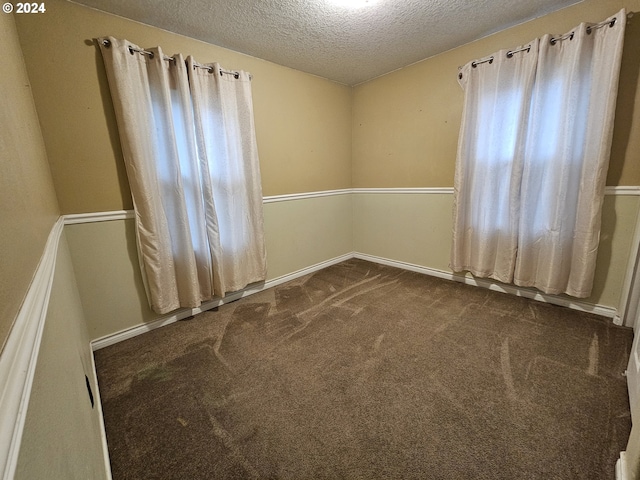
(209, 68)
(554, 40)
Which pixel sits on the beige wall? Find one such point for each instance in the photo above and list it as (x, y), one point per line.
(406, 123)
(62, 432)
(413, 228)
(417, 228)
(61, 437)
(400, 226)
(106, 263)
(28, 206)
(303, 122)
(305, 232)
(298, 233)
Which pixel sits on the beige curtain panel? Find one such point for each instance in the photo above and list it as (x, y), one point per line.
(189, 147)
(532, 159)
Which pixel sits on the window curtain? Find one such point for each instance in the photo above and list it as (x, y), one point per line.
(189, 147)
(533, 154)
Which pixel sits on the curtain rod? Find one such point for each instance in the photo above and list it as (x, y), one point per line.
(209, 68)
(553, 41)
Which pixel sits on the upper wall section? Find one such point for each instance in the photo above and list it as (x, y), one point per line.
(303, 122)
(28, 206)
(406, 123)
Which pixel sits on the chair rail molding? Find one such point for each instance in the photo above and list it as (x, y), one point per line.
(19, 357)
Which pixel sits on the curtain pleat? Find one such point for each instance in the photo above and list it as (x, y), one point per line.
(224, 124)
(532, 160)
(174, 178)
(567, 158)
(490, 162)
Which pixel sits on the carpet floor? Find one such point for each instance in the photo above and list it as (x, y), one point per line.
(362, 371)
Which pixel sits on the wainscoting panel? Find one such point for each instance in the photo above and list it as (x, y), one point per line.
(411, 226)
(416, 229)
(63, 435)
(307, 231)
(105, 260)
(300, 232)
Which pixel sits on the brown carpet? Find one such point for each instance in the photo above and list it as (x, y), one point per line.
(362, 371)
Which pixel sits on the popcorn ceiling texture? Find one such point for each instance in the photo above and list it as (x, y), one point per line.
(346, 45)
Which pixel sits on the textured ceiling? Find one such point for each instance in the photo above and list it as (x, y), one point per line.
(348, 45)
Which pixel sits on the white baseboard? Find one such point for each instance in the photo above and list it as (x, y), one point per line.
(103, 432)
(533, 294)
(621, 467)
(122, 335)
(20, 355)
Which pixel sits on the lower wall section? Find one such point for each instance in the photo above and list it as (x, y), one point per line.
(299, 233)
(63, 433)
(410, 226)
(306, 231)
(416, 228)
(105, 260)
